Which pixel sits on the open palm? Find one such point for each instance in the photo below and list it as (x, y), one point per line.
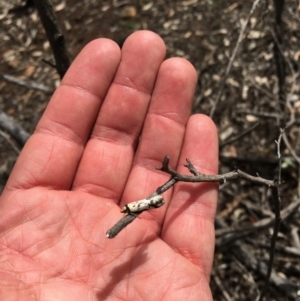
(115, 116)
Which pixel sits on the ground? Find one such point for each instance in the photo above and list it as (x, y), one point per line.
(206, 33)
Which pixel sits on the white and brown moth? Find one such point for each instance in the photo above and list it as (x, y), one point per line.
(144, 204)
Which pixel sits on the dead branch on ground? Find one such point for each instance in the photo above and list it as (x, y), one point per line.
(27, 84)
(54, 35)
(234, 53)
(8, 125)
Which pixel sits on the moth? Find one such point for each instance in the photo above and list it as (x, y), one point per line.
(144, 204)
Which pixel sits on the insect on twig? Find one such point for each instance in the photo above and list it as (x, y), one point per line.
(144, 204)
(133, 210)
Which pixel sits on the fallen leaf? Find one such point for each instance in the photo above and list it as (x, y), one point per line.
(29, 70)
(60, 6)
(187, 34)
(147, 6)
(128, 12)
(230, 8)
(190, 2)
(255, 34)
(251, 118)
(232, 82)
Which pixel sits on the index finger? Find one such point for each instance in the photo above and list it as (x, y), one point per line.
(52, 154)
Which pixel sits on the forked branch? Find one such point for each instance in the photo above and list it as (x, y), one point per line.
(194, 178)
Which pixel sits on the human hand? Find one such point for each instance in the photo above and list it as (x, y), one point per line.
(114, 118)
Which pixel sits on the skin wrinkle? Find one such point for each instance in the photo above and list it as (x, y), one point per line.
(64, 271)
(88, 240)
(76, 139)
(46, 227)
(25, 185)
(144, 188)
(149, 164)
(73, 221)
(80, 88)
(144, 241)
(193, 288)
(81, 278)
(171, 123)
(25, 250)
(82, 80)
(191, 285)
(145, 277)
(134, 134)
(29, 258)
(107, 282)
(118, 142)
(170, 279)
(32, 183)
(198, 261)
(138, 293)
(197, 210)
(54, 244)
(94, 281)
(88, 187)
(134, 89)
(194, 213)
(165, 116)
(128, 275)
(192, 259)
(117, 296)
(166, 290)
(54, 272)
(11, 197)
(140, 86)
(51, 151)
(170, 262)
(113, 259)
(15, 275)
(25, 222)
(156, 161)
(123, 249)
(6, 233)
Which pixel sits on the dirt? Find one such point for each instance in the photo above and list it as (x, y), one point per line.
(206, 33)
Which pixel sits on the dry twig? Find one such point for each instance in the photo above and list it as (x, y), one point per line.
(196, 177)
(240, 135)
(277, 205)
(199, 177)
(237, 46)
(27, 84)
(8, 125)
(55, 37)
